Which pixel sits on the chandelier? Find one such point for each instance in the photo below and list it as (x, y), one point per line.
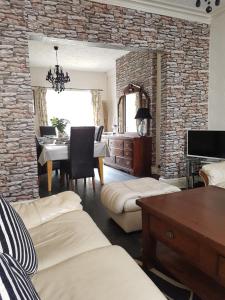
(208, 3)
(57, 78)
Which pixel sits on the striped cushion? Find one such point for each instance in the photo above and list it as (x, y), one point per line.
(15, 284)
(15, 239)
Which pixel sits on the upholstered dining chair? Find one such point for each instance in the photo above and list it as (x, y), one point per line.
(98, 137)
(42, 169)
(98, 133)
(47, 130)
(81, 152)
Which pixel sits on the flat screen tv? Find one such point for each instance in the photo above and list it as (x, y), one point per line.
(206, 143)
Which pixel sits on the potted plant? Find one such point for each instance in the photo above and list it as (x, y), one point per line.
(60, 124)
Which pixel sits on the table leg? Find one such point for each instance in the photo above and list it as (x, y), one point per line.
(100, 169)
(148, 243)
(49, 171)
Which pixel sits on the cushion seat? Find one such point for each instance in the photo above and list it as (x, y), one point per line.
(100, 274)
(64, 237)
(119, 198)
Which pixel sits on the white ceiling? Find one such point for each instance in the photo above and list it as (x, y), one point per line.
(73, 56)
(184, 9)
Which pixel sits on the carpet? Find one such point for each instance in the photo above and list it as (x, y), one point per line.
(172, 289)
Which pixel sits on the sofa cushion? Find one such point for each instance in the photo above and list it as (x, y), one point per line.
(38, 211)
(104, 273)
(15, 284)
(66, 236)
(121, 196)
(15, 238)
(215, 172)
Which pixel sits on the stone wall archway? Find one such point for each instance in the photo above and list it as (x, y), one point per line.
(184, 75)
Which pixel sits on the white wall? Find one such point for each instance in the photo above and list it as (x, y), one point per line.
(78, 80)
(217, 73)
(112, 101)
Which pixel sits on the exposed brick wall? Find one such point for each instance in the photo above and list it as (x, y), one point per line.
(139, 67)
(185, 44)
(18, 171)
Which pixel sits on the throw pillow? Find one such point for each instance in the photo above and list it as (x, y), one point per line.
(15, 284)
(15, 239)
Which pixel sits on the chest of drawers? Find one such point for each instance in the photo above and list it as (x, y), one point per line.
(130, 154)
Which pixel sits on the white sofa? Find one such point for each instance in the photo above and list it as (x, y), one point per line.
(214, 174)
(76, 261)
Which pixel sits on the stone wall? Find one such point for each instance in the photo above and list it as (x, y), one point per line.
(185, 80)
(18, 170)
(139, 67)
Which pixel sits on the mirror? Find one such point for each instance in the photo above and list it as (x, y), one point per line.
(131, 107)
(134, 97)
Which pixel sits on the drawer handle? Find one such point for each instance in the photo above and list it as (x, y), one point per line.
(170, 235)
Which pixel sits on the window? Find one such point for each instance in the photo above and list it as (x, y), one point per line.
(75, 106)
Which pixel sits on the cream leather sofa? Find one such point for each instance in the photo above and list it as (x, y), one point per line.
(76, 261)
(214, 174)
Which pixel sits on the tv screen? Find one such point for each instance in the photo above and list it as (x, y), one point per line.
(206, 143)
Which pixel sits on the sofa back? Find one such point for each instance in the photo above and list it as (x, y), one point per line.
(39, 211)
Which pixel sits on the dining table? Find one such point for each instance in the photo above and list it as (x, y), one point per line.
(51, 152)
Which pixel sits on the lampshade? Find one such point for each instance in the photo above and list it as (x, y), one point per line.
(143, 113)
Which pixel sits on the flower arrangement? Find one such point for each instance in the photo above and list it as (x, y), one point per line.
(60, 124)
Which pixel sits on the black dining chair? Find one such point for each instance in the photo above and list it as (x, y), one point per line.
(81, 152)
(47, 130)
(98, 133)
(98, 137)
(42, 169)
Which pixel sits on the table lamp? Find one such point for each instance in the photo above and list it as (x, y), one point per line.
(142, 114)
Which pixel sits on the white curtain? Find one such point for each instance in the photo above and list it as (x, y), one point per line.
(41, 116)
(97, 108)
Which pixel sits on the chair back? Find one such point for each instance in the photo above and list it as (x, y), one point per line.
(38, 147)
(47, 130)
(98, 133)
(82, 152)
(41, 169)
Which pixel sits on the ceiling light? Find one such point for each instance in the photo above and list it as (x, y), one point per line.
(57, 77)
(208, 3)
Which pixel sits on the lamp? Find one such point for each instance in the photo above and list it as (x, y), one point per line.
(57, 77)
(142, 114)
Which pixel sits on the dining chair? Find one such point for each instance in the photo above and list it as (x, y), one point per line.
(42, 169)
(81, 153)
(47, 130)
(98, 133)
(98, 137)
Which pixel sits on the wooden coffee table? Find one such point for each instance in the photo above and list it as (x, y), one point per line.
(184, 232)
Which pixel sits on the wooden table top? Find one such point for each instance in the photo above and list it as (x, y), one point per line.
(199, 211)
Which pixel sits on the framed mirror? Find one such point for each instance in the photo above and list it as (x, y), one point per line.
(133, 98)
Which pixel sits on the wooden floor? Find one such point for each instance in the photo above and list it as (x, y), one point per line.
(91, 203)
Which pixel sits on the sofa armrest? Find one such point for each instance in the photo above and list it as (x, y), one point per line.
(41, 210)
(204, 177)
(214, 172)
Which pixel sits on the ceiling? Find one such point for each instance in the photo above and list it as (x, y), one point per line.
(184, 9)
(73, 56)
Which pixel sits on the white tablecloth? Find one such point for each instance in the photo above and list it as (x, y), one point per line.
(60, 152)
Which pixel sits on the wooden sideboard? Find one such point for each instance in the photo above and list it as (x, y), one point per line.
(131, 154)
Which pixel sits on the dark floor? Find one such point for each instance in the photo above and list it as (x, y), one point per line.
(92, 204)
